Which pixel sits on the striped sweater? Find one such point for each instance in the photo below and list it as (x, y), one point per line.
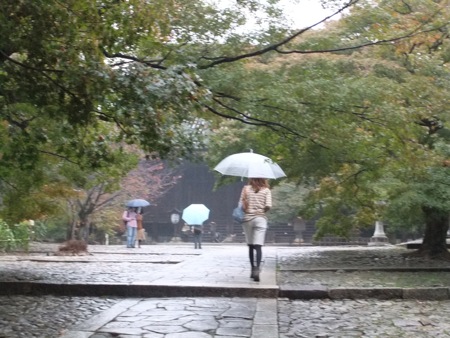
(257, 202)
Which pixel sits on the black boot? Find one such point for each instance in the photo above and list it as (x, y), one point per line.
(256, 275)
(253, 273)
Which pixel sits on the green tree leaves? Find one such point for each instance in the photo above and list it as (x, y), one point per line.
(355, 124)
(343, 105)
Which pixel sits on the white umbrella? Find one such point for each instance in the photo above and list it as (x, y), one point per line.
(195, 214)
(249, 165)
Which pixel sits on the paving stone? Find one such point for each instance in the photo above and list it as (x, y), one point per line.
(238, 332)
(202, 325)
(188, 335)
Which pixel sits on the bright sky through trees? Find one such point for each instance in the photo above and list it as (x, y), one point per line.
(299, 13)
(304, 13)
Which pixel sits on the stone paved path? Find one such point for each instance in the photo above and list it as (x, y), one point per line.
(208, 293)
(184, 318)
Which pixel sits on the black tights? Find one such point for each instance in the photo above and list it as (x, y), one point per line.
(252, 248)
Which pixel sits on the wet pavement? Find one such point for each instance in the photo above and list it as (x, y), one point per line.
(175, 291)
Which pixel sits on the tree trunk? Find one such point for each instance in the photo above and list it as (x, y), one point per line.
(435, 238)
(83, 218)
(72, 230)
(83, 231)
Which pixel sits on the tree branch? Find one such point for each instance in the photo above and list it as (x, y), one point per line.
(151, 63)
(59, 156)
(277, 47)
(368, 44)
(247, 119)
(219, 60)
(23, 65)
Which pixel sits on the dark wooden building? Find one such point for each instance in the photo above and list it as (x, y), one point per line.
(195, 187)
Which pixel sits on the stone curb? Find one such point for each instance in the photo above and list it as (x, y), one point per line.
(264, 291)
(321, 292)
(136, 290)
(369, 269)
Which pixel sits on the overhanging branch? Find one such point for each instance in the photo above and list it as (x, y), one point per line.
(219, 60)
(247, 119)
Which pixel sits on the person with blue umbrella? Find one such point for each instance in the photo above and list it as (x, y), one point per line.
(197, 229)
(130, 218)
(194, 216)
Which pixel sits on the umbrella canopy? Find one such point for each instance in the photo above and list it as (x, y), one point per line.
(136, 203)
(249, 165)
(195, 214)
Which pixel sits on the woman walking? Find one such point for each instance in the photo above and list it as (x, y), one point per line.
(256, 199)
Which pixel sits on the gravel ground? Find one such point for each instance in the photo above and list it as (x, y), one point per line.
(302, 258)
(364, 318)
(359, 267)
(46, 317)
(366, 279)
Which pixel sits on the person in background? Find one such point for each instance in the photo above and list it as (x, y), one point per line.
(129, 216)
(197, 230)
(140, 228)
(256, 199)
(214, 234)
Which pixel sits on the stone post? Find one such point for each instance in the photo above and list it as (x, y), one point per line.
(379, 237)
(299, 225)
(175, 216)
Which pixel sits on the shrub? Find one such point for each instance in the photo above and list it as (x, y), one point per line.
(14, 237)
(73, 246)
(22, 234)
(6, 237)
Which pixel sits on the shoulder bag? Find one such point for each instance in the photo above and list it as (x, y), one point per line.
(238, 212)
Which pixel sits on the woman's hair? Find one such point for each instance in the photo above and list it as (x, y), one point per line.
(258, 183)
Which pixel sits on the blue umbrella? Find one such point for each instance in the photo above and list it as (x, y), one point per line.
(137, 203)
(195, 214)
